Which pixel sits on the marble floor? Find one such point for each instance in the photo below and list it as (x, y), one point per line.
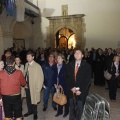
(49, 114)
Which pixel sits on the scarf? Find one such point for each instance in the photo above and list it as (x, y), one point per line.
(10, 69)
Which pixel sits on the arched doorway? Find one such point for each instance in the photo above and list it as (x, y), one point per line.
(65, 38)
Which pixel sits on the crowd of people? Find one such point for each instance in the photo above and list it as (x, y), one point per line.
(24, 73)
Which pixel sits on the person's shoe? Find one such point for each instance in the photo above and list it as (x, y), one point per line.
(45, 108)
(55, 108)
(27, 114)
(65, 115)
(35, 116)
(58, 114)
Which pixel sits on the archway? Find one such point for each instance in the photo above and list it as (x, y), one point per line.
(65, 38)
(72, 22)
(20, 33)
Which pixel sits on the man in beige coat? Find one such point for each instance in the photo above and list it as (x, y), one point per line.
(34, 80)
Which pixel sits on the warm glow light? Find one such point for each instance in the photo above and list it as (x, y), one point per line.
(72, 42)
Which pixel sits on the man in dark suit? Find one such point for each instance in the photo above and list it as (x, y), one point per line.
(78, 75)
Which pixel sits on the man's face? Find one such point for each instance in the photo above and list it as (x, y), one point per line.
(8, 54)
(78, 55)
(51, 58)
(109, 51)
(30, 58)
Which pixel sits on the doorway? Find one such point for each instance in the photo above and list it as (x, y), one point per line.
(65, 38)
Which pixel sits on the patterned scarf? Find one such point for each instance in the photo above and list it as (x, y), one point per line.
(10, 69)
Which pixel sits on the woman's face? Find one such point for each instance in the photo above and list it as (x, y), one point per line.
(59, 60)
(17, 61)
(1, 65)
(117, 59)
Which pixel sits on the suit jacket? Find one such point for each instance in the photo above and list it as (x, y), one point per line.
(82, 79)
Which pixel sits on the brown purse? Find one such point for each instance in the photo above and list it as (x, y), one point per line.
(60, 98)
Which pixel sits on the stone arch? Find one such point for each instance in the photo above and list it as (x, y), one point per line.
(21, 34)
(70, 27)
(73, 22)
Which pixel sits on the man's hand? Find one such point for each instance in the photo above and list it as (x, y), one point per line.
(78, 92)
(26, 87)
(73, 90)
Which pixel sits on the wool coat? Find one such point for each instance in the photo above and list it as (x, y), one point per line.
(35, 81)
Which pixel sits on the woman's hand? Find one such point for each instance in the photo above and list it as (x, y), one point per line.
(59, 86)
(55, 85)
(116, 74)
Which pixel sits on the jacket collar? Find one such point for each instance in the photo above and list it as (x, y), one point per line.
(73, 63)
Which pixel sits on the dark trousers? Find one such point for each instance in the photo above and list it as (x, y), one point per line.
(76, 109)
(113, 89)
(12, 104)
(66, 110)
(31, 107)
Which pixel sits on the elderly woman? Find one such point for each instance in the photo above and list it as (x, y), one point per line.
(114, 69)
(59, 81)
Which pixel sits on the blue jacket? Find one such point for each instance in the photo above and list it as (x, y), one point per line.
(48, 74)
(61, 77)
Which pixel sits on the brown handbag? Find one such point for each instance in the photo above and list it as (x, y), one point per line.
(107, 75)
(60, 98)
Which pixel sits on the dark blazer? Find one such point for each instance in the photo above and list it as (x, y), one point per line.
(112, 70)
(61, 77)
(82, 79)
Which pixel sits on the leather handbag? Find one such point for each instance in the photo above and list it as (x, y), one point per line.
(107, 75)
(60, 98)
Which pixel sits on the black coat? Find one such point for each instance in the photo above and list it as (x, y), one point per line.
(61, 77)
(82, 79)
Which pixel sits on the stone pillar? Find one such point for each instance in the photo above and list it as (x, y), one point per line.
(7, 39)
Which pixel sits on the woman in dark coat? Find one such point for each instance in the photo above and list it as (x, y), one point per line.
(114, 69)
(59, 81)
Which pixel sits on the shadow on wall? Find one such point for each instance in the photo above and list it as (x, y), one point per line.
(37, 32)
(47, 12)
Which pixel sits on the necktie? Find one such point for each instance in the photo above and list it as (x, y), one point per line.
(27, 74)
(76, 70)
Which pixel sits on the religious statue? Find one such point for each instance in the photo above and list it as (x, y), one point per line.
(64, 10)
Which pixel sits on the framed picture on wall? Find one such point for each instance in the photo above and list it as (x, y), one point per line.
(18, 43)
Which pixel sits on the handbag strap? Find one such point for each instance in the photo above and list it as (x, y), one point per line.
(111, 66)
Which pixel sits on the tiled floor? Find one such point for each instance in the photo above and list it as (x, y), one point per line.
(50, 113)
